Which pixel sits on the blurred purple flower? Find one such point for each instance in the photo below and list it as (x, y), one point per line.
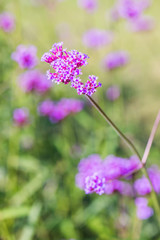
(154, 175)
(115, 59)
(143, 211)
(131, 9)
(7, 22)
(116, 167)
(100, 176)
(89, 5)
(113, 93)
(21, 117)
(34, 80)
(142, 186)
(142, 23)
(65, 107)
(96, 38)
(56, 111)
(25, 56)
(46, 108)
(122, 187)
(67, 69)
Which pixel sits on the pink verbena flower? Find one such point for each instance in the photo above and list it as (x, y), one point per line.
(25, 56)
(34, 80)
(21, 117)
(96, 38)
(67, 69)
(56, 111)
(7, 22)
(115, 59)
(87, 88)
(100, 176)
(141, 24)
(143, 211)
(89, 5)
(113, 93)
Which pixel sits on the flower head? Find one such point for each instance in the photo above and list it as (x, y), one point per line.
(25, 56)
(34, 80)
(21, 116)
(67, 69)
(7, 22)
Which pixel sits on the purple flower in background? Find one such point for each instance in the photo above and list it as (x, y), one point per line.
(141, 24)
(131, 9)
(143, 211)
(96, 38)
(21, 117)
(89, 5)
(56, 111)
(7, 22)
(65, 107)
(113, 93)
(154, 175)
(25, 56)
(67, 69)
(116, 167)
(34, 80)
(142, 186)
(101, 177)
(121, 187)
(115, 59)
(46, 108)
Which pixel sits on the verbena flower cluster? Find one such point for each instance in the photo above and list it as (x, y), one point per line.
(7, 22)
(66, 65)
(112, 175)
(21, 117)
(25, 56)
(56, 111)
(34, 80)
